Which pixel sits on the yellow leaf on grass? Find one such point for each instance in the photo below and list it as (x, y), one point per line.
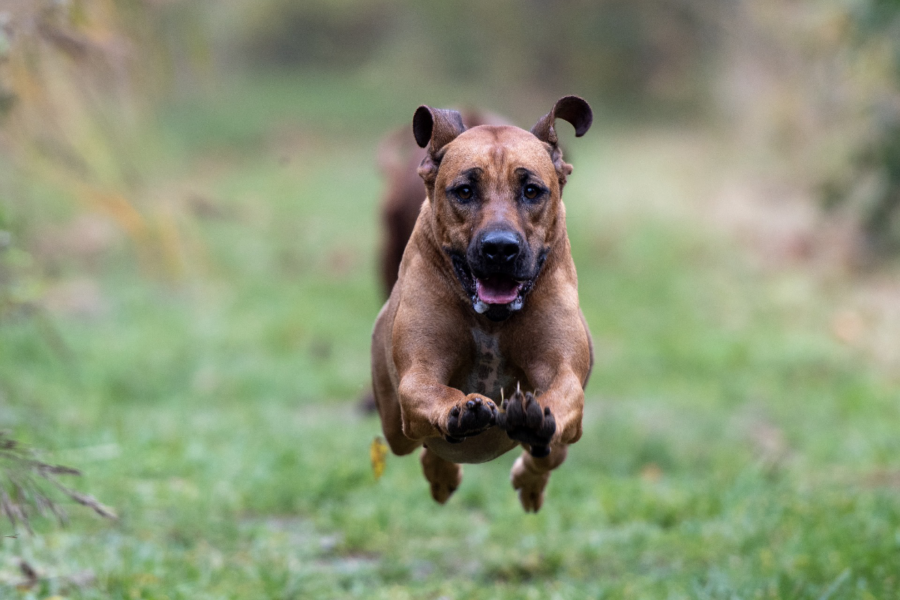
(378, 453)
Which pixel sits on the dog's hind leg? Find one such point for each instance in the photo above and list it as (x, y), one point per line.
(443, 475)
(530, 475)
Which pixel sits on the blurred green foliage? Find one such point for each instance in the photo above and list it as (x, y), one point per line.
(613, 49)
(878, 25)
(832, 72)
(832, 69)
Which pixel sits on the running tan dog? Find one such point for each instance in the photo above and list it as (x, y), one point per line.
(482, 345)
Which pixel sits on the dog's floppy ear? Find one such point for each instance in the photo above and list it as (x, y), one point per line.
(435, 128)
(568, 108)
(436, 125)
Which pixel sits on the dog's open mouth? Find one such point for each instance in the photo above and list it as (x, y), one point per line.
(498, 289)
(495, 296)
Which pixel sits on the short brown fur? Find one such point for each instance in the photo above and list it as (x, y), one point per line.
(432, 353)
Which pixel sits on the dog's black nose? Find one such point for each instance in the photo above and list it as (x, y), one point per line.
(500, 247)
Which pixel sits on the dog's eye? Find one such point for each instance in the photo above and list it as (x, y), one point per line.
(464, 192)
(531, 191)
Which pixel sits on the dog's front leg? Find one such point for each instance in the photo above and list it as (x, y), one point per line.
(554, 416)
(545, 425)
(430, 408)
(565, 399)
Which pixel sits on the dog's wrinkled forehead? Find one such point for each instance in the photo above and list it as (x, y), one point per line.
(498, 150)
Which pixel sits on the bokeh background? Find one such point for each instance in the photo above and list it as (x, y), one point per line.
(189, 225)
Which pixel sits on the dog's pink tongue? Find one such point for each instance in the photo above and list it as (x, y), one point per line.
(497, 290)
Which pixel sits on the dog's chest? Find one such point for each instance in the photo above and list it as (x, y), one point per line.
(489, 371)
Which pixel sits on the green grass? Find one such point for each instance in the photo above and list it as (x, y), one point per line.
(732, 448)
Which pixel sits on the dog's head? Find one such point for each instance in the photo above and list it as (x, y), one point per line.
(495, 194)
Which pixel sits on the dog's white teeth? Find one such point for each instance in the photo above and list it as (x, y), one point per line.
(480, 306)
(516, 304)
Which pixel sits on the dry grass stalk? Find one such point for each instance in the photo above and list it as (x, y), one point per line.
(26, 485)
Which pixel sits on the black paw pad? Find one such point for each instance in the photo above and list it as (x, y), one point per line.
(525, 421)
(471, 418)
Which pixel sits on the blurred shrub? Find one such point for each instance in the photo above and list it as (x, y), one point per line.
(816, 81)
(613, 49)
(819, 83)
(876, 26)
(75, 87)
(78, 84)
(326, 34)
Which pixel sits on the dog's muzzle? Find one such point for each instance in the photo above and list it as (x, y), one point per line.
(497, 273)
(497, 281)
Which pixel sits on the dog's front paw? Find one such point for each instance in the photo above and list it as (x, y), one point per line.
(525, 421)
(473, 416)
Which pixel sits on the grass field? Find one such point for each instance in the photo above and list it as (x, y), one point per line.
(733, 448)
